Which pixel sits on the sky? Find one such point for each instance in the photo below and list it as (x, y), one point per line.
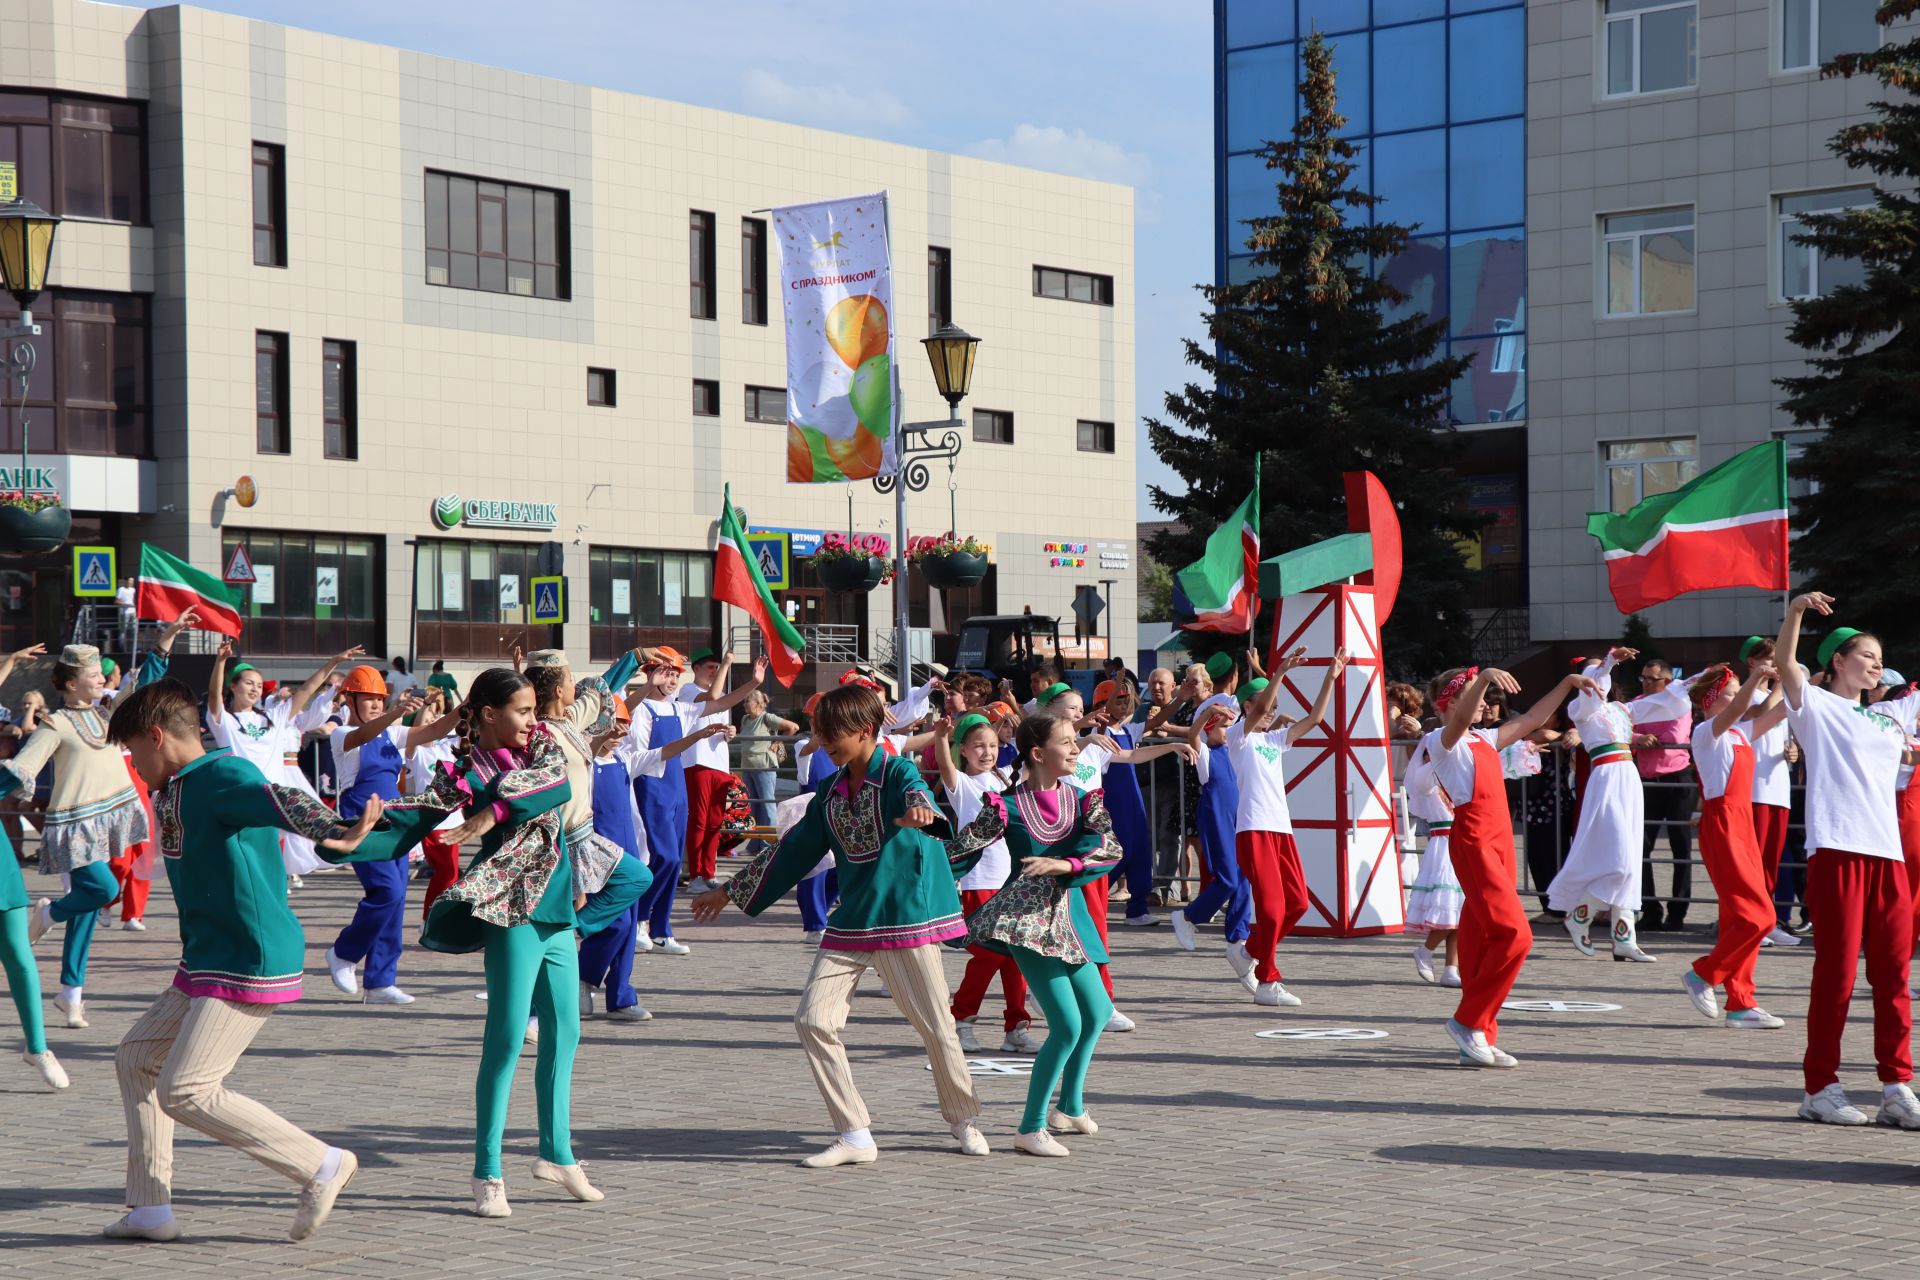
(1119, 90)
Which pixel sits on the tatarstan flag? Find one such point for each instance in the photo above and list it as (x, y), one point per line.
(1726, 529)
(737, 580)
(170, 586)
(1221, 590)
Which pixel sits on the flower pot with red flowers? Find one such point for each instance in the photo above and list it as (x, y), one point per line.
(32, 522)
(949, 562)
(845, 566)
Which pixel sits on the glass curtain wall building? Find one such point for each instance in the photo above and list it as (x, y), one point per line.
(1434, 92)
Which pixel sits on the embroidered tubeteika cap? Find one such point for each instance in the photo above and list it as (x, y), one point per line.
(80, 655)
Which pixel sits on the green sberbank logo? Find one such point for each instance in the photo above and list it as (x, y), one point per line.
(446, 510)
(450, 511)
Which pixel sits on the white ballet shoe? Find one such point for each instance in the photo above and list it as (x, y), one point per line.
(571, 1178)
(490, 1198)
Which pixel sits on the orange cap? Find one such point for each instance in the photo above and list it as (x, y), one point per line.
(620, 713)
(1000, 711)
(1102, 691)
(365, 680)
(814, 701)
(665, 656)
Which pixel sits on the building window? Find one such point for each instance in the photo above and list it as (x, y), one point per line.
(993, 426)
(1799, 485)
(600, 388)
(270, 393)
(753, 270)
(1648, 261)
(1651, 45)
(1091, 437)
(269, 205)
(312, 595)
(472, 599)
(77, 157)
(497, 237)
(1806, 272)
(1814, 32)
(1639, 469)
(706, 398)
(1074, 286)
(939, 288)
(663, 596)
(700, 266)
(766, 404)
(340, 398)
(89, 388)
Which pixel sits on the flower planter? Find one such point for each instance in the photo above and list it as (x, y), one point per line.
(850, 574)
(42, 530)
(954, 569)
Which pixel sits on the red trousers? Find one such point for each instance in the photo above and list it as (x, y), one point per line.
(1857, 901)
(1907, 804)
(1770, 831)
(1095, 892)
(1494, 934)
(982, 966)
(133, 890)
(706, 802)
(1271, 863)
(1732, 855)
(443, 860)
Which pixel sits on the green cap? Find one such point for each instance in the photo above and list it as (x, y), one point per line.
(1053, 691)
(238, 667)
(1749, 645)
(1835, 638)
(1219, 665)
(704, 653)
(968, 723)
(1251, 689)
(108, 666)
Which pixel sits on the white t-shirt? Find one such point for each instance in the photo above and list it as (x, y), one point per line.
(346, 764)
(1713, 757)
(711, 752)
(399, 684)
(1772, 778)
(996, 863)
(1262, 778)
(1853, 758)
(1090, 771)
(1455, 769)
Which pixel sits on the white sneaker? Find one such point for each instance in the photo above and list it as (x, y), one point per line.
(814, 937)
(1143, 921)
(841, 1153)
(1182, 931)
(1778, 937)
(571, 1178)
(1038, 1143)
(1242, 964)
(1450, 976)
(532, 1034)
(49, 1068)
(295, 882)
(1754, 1019)
(1501, 1058)
(490, 1198)
(1899, 1109)
(388, 995)
(632, 1013)
(1473, 1046)
(1082, 1123)
(1274, 994)
(1117, 1021)
(39, 920)
(972, 1141)
(969, 1042)
(1020, 1039)
(133, 925)
(1700, 991)
(586, 1002)
(674, 947)
(644, 942)
(75, 1010)
(342, 974)
(1830, 1106)
(1423, 965)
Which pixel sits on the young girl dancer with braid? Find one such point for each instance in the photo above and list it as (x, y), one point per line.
(16, 953)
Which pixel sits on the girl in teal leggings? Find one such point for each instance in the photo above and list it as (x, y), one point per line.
(1060, 839)
(515, 904)
(16, 957)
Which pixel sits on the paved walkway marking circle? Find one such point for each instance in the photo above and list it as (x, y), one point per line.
(1560, 1006)
(996, 1066)
(1321, 1033)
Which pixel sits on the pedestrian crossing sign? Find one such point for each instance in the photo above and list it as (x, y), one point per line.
(549, 600)
(95, 572)
(773, 552)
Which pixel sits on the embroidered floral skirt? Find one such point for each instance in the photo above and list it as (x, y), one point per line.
(100, 837)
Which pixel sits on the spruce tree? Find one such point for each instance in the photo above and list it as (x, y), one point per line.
(1305, 369)
(1861, 522)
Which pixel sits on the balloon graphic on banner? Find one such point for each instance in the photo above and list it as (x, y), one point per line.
(857, 329)
(871, 395)
(821, 400)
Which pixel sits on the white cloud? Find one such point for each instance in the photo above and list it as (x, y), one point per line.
(1076, 154)
(828, 106)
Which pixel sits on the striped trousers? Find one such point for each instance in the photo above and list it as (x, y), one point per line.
(919, 986)
(171, 1066)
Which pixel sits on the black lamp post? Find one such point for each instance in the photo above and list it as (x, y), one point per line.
(26, 249)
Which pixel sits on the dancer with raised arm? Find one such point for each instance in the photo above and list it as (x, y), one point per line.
(16, 952)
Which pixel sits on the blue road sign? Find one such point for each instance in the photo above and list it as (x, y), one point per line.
(549, 600)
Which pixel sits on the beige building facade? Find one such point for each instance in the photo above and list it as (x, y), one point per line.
(371, 279)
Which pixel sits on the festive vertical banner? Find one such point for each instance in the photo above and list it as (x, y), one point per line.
(836, 278)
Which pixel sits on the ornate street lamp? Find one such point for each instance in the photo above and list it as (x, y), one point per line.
(951, 353)
(26, 248)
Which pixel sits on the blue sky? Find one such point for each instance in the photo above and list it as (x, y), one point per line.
(1114, 89)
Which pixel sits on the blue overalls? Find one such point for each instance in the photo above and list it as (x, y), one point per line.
(1219, 805)
(1130, 826)
(663, 812)
(607, 956)
(375, 933)
(817, 893)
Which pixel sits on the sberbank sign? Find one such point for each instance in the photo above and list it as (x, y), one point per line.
(450, 510)
(29, 479)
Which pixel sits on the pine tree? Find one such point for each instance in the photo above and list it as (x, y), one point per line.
(1861, 522)
(1305, 369)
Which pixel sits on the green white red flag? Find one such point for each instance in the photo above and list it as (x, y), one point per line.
(738, 581)
(1728, 528)
(169, 586)
(1220, 591)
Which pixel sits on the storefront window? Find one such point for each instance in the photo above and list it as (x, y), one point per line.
(472, 600)
(648, 597)
(313, 595)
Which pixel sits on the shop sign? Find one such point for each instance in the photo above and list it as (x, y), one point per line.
(36, 479)
(1065, 555)
(805, 541)
(451, 511)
